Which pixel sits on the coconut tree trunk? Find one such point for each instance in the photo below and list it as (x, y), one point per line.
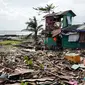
(36, 38)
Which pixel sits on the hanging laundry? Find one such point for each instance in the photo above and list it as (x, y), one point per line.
(54, 39)
(56, 32)
(73, 38)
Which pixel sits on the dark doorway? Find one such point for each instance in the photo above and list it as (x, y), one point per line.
(59, 42)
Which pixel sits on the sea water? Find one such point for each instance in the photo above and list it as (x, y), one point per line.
(11, 32)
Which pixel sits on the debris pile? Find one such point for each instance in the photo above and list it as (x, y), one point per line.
(40, 67)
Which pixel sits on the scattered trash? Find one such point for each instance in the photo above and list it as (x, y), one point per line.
(3, 77)
(48, 67)
(84, 78)
(75, 66)
(81, 66)
(73, 57)
(73, 82)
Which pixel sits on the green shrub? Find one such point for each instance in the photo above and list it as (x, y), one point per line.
(24, 83)
(41, 66)
(28, 61)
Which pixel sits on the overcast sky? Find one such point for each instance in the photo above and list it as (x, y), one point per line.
(14, 13)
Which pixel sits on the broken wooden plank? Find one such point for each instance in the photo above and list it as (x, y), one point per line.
(66, 77)
(39, 80)
(14, 84)
(19, 71)
(29, 50)
(61, 77)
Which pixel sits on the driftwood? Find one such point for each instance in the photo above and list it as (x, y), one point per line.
(38, 80)
(14, 84)
(17, 82)
(19, 71)
(61, 77)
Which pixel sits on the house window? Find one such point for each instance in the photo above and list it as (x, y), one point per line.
(82, 37)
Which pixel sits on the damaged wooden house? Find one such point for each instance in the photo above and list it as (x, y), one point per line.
(60, 33)
(55, 22)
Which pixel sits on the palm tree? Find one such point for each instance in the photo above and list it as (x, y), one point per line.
(33, 26)
(47, 9)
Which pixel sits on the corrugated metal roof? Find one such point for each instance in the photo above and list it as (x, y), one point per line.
(77, 28)
(82, 27)
(71, 28)
(60, 13)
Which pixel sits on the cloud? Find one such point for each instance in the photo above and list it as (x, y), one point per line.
(13, 16)
(79, 1)
(14, 13)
